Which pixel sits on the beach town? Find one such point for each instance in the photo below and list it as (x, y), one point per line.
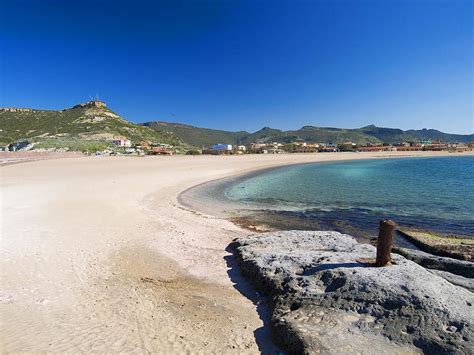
(300, 146)
(124, 146)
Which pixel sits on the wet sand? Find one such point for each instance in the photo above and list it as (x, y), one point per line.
(98, 255)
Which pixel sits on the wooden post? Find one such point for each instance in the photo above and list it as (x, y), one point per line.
(384, 242)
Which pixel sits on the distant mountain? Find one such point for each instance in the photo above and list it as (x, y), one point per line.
(76, 127)
(392, 135)
(370, 134)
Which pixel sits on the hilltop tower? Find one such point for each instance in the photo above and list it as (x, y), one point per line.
(92, 103)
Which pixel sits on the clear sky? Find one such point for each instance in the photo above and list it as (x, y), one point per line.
(242, 65)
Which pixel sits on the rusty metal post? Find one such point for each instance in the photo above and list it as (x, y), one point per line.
(384, 242)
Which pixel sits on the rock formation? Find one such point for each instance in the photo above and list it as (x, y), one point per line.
(15, 109)
(93, 103)
(324, 301)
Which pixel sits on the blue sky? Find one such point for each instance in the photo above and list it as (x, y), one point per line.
(242, 65)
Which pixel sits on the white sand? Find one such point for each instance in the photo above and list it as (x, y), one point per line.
(98, 256)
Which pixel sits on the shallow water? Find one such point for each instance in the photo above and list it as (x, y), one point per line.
(429, 193)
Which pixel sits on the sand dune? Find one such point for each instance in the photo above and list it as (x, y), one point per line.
(97, 255)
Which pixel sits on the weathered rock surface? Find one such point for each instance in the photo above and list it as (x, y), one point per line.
(430, 261)
(325, 301)
(457, 280)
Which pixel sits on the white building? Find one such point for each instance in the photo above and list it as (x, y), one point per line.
(220, 146)
(122, 142)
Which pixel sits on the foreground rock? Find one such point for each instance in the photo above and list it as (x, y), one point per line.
(451, 246)
(430, 261)
(325, 301)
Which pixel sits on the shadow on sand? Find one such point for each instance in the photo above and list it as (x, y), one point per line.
(240, 283)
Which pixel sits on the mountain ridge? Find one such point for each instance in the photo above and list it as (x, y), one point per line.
(368, 134)
(93, 121)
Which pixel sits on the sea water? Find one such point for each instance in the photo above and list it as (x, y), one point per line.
(429, 193)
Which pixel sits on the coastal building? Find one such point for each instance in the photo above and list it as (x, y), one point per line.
(427, 145)
(241, 148)
(458, 147)
(375, 148)
(122, 142)
(218, 149)
(408, 148)
(221, 147)
(162, 151)
(436, 146)
(301, 147)
(260, 147)
(257, 146)
(300, 142)
(276, 145)
(327, 149)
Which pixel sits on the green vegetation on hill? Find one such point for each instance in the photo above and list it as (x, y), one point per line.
(370, 134)
(88, 127)
(318, 135)
(393, 135)
(77, 128)
(74, 144)
(198, 136)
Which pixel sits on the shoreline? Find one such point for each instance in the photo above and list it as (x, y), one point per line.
(136, 270)
(210, 198)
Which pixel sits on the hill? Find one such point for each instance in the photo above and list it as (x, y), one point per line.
(371, 134)
(393, 135)
(85, 125)
(324, 135)
(199, 136)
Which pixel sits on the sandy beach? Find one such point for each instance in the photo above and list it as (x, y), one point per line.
(98, 255)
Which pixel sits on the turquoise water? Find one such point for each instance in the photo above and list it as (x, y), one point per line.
(432, 193)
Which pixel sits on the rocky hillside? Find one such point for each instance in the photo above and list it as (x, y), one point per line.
(88, 122)
(370, 134)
